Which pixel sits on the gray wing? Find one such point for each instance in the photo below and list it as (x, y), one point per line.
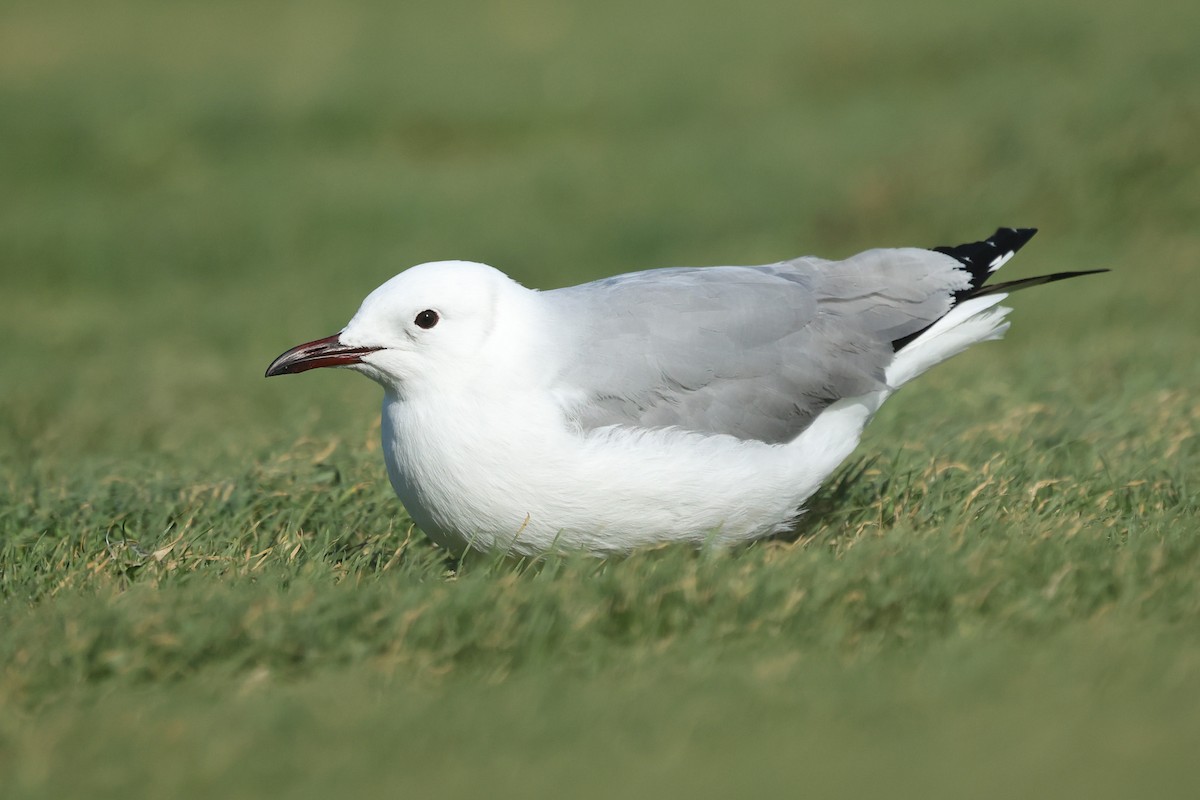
(755, 352)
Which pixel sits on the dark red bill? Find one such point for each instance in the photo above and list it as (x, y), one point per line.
(327, 352)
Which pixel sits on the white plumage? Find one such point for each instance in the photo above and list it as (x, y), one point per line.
(698, 405)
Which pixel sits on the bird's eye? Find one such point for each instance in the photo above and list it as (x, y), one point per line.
(427, 319)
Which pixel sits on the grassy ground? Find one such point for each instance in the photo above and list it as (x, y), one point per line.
(209, 590)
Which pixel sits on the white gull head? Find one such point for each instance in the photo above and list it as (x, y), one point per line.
(436, 327)
(440, 326)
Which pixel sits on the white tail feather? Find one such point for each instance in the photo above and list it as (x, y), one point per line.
(976, 320)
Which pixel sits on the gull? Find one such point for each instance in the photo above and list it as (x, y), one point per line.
(700, 405)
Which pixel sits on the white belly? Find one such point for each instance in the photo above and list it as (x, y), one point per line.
(523, 481)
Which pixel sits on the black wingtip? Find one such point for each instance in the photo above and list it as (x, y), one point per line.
(981, 259)
(1025, 283)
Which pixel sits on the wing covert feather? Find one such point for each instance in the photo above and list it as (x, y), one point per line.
(754, 352)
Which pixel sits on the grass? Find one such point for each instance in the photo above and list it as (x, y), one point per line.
(208, 588)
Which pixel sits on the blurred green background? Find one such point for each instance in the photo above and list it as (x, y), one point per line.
(189, 188)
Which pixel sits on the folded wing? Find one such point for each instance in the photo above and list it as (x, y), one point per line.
(753, 352)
